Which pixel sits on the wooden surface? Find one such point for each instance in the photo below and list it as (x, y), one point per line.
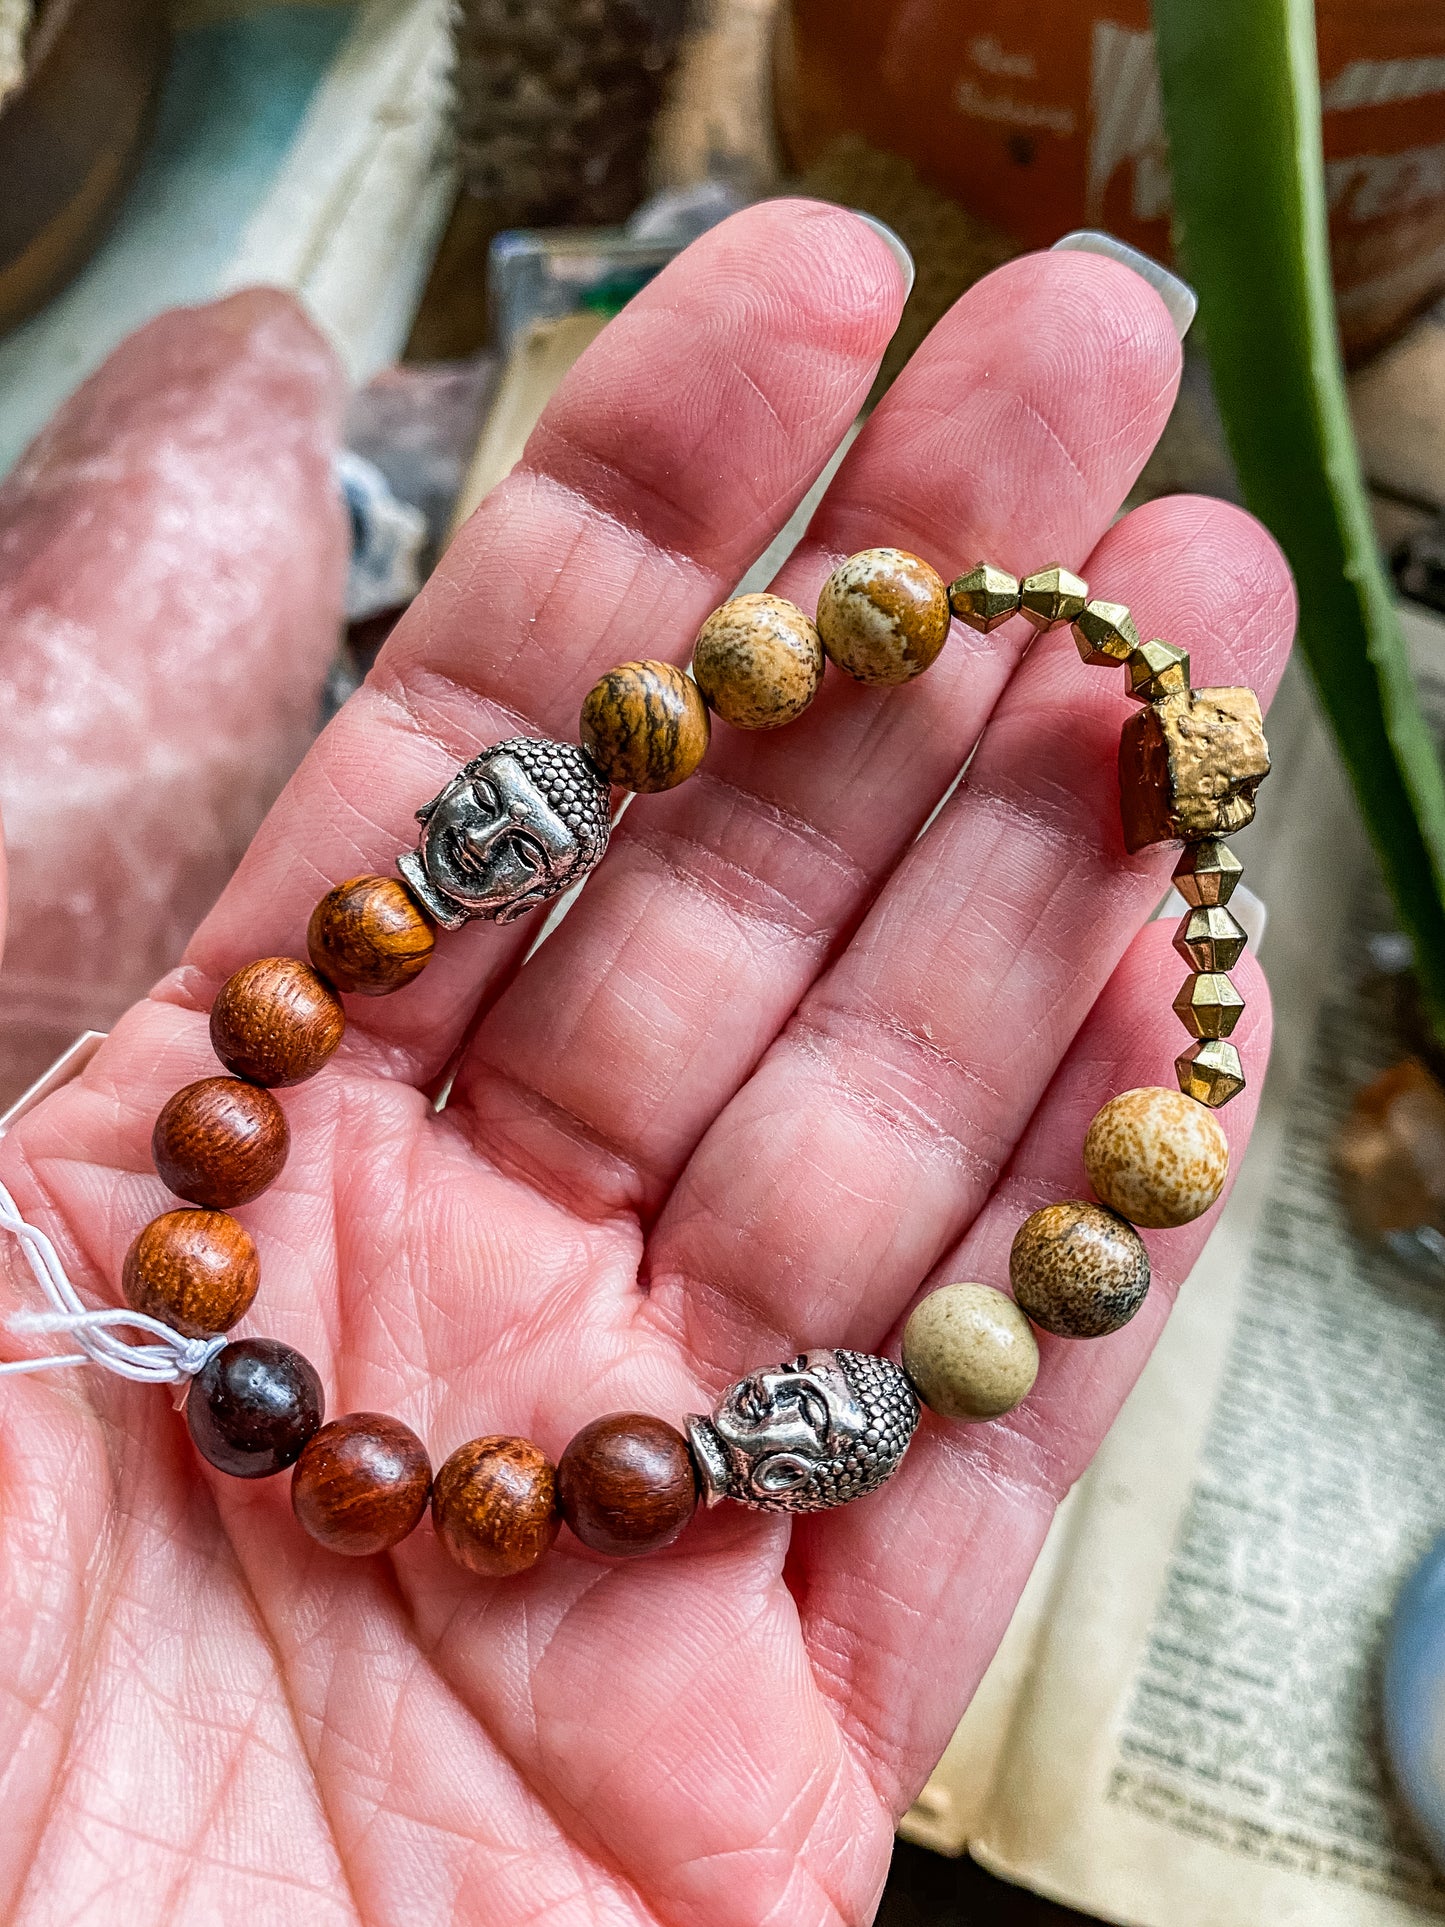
(70, 136)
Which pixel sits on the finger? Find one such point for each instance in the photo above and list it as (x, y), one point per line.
(878, 1124)
(964, 1519)
(673, 452)
(1014, 432)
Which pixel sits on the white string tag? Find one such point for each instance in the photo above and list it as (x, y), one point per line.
(170, 1361)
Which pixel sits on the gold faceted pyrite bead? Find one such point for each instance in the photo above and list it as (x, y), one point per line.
(1210, 1073)
(984, 598)
(1206, 873)
(1208, 1005)
(1052, 596)
(1105, 633)
(1157, 669)
(1211, 939)
(1189, 766)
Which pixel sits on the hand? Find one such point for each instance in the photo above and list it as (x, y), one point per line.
(782, 1064)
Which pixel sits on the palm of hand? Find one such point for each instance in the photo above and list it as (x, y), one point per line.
(780, 1064)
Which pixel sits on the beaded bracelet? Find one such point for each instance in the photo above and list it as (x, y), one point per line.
(518, 825)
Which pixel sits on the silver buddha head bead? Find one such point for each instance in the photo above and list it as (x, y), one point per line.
(824, 1428)
(515, 828)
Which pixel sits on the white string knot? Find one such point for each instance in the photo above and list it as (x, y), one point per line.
(170, 1361)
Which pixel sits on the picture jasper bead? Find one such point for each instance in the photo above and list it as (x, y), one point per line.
(1156, 1157)
(494, 1506)
(370, 936)
(196, 1271)
(758, 661)
(627, 1485)
(220, 1142)
(883, 616)
(275, 1022)
(362, 1484)
(645, 726)
(253, 1407)
(1078, 1270)
(970, 1352)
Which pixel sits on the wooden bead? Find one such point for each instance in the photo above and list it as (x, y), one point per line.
(1078, 1270)
(494, 1506)
(883, 616)
(758, 661)
(645, 726)
(275, 1022)
(253, 1407)
(196, 1271)
(1156, 1157)
(970, 1352)
(370, 935)
(220, 1142)
(362, 1483)
(626, 1484)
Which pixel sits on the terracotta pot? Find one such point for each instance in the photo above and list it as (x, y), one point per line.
(70, 136)
(1044, 115)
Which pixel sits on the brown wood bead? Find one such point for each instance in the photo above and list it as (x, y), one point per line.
(362, 1483)
(275, 1022)
(196, 1271)
(645, 726)
(626, 1484)
(220, 1142)
(370, 935)
(494, 1506)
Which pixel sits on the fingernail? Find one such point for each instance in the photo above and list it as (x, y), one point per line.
(896, 245)
(1178, 297)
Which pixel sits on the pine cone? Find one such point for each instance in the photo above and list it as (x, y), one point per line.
(556, 100)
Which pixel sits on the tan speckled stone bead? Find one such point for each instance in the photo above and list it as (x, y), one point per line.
(970, 1352)
(883, 616)
(758, 661)
(1156, 1157)
(1078, 1270)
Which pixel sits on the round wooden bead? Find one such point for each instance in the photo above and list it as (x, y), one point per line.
(362, 1483)
(220, 1142)
(370, 935)
(1156, 1157)
(626, 1484)
(645, 726)
(253, 1407)
(883, 616)
(758, 661)
(196, 1271)
(275, 1022)
(494, 1506)
(1078, 1270)
(970, 1352)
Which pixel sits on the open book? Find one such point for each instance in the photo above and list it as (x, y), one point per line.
(1181, 1728)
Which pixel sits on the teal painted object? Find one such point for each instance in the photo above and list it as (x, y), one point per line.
(1414, 1697)
(232, 103)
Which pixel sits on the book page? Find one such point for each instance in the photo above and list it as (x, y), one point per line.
(1192, 1734)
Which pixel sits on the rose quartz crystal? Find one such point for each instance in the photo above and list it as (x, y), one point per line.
(172, 557)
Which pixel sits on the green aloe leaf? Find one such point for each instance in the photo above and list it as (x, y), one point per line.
(1242, 106)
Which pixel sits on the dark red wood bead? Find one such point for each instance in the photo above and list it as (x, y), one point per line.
(194, 1270)
(362, 1483)
(274, 1022)
(252, 1409)
(627, 1484)
(494, 1505)
(220, 1142)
